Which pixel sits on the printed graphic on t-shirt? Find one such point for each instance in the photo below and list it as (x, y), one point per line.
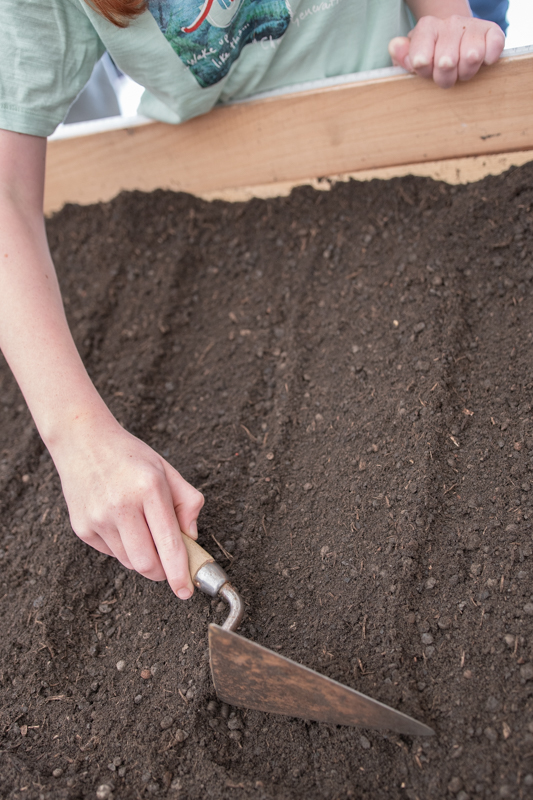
(210, 37)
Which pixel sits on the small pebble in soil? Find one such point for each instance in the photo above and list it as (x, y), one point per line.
(455, 785)
(104, 792)
(212, 707)
(138, 698)
(509, 639)
(526, 671)
(166, 723)
(145, 674)
(444, 623)
(431, 583)
(491, 735)
(528, 608)
(121, 665)
(364, 742)
(57, 773)
(427, 638)
(181, 735)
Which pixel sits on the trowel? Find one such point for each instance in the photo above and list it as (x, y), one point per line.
(248, 675)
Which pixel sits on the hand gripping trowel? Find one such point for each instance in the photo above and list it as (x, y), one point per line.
(248, 675)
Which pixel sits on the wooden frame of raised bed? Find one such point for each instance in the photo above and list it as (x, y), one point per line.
(383, 119)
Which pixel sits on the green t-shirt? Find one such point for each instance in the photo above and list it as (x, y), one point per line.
(188, 57)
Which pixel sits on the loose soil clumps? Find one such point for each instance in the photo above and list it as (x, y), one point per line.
(347, 376)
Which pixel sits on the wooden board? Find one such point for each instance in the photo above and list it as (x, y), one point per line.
(294, 137)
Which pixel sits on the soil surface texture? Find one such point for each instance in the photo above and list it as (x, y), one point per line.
(347, 375)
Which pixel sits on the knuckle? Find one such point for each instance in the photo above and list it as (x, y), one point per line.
(145, 564)
(149, 482)
(198, 500)
(82, 529)
(83, 532)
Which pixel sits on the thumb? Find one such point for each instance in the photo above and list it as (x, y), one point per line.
(187, 501)
(399, 51)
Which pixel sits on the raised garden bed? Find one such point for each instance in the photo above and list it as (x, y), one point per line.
(347, 376)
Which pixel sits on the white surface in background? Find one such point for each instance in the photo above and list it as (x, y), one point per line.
(520, 17)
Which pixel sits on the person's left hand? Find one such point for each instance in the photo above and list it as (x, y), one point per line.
(448, 50)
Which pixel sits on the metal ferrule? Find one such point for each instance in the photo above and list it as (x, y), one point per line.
(210, 578)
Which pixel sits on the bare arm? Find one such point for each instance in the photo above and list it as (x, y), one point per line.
(123, 498)
(447, 44)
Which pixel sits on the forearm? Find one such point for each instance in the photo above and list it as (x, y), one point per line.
(34, 334)
(439, 8)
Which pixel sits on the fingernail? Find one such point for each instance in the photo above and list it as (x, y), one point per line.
(184, 594)
(420, 61)
(445, 62)
(193, 530)
(473, 56)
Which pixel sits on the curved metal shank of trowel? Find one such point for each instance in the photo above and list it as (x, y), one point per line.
(212, 580)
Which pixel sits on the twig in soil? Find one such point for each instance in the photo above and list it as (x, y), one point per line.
(264, 526)
(463, 655)
(221, 548)
(205, 352)
(183, 697)
(46, 646)
(250, 434)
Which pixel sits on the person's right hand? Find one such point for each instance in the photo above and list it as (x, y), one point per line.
(448, 50)
(127, 501)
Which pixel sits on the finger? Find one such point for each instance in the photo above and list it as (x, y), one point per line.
(422, 47)
(472, 53)
(162, 521)
(447, 51)
(494, 44)
(96, 541)
(137, 539)
(399, 50)
(111, 538)
(187, 501)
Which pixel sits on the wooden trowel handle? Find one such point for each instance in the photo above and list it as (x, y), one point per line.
(198, 557)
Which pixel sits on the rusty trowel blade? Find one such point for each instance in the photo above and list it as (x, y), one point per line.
(248, 675)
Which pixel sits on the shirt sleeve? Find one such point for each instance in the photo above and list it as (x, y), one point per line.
(48, 49)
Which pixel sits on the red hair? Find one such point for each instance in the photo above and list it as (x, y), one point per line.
(119, 12)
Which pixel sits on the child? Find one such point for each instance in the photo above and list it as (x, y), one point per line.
(123, 498)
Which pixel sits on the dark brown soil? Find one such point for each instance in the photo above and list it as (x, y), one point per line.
(348, 377)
